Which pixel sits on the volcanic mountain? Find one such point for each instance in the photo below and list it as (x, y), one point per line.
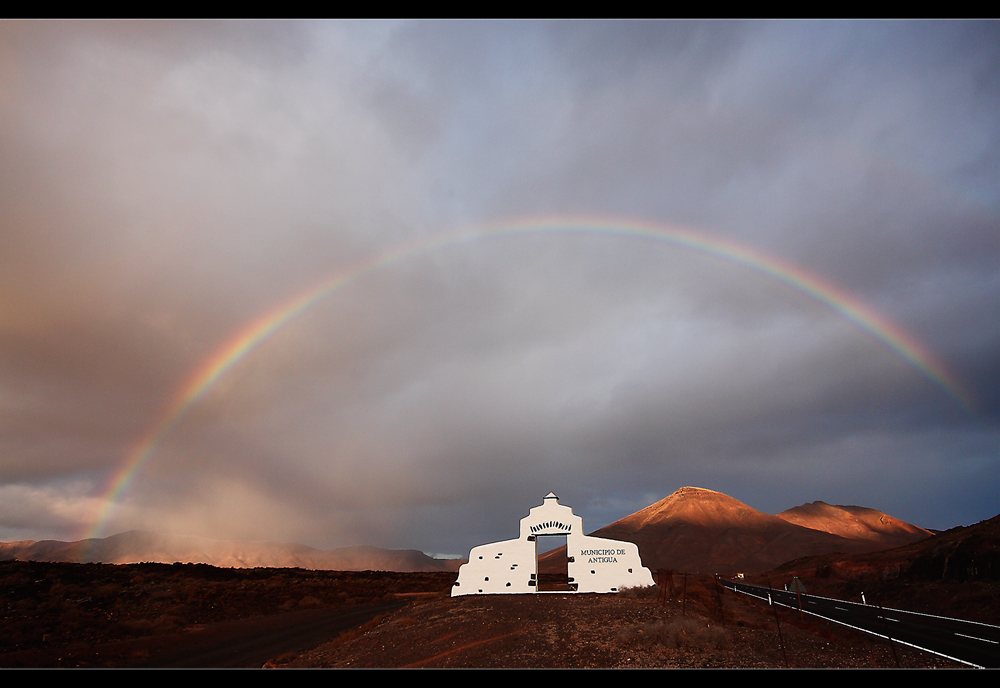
(703, 531)
(855, 522)
(136, 546)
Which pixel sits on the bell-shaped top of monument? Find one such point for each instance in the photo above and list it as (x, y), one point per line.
(550, 518)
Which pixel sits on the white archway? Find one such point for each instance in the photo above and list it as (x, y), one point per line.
(594, 564)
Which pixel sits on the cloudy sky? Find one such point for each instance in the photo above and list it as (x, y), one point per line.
(486, 260)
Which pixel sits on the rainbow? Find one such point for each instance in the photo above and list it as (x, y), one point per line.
(260, 329)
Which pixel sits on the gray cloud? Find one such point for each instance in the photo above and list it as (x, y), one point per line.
(164, 184)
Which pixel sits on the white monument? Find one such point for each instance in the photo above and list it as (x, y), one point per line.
(594, 564)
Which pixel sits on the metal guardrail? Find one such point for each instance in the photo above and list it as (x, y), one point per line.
(940, 627)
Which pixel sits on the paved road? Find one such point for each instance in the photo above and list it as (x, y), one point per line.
(969, 642)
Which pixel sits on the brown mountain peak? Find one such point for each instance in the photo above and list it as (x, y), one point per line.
(695, 505)
(856, 522)
(700, 530)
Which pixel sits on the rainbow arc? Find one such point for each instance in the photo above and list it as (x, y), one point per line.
(256, 332)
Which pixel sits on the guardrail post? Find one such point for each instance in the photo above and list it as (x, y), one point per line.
(781, 641)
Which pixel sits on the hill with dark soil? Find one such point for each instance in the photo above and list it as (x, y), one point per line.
(703, 531)
(136, 546)
(955, 573)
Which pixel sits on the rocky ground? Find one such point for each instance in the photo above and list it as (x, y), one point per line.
(60, 614)
(569, 631)
(107, 615)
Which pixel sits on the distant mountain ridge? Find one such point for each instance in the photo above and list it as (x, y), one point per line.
(703, 531)
(694, 530)
(136, 546)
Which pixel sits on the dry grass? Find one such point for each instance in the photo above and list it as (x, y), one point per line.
(676, 634)
(642, 592)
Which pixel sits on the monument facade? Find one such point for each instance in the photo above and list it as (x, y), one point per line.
(511, 566)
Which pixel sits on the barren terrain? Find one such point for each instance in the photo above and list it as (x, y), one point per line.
(64, 614)
(628, 630)
(58, 614)
(163, 615)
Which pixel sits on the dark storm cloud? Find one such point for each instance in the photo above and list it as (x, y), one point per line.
(166, 183)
